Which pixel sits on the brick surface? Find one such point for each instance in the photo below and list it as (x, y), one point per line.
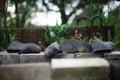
(87, 55)
(80, 69)
(11, 58)
(115, 55)
(36, 71)
(64, 55)
(33, 58)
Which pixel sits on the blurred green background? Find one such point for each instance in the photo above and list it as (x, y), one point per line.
(56, 13)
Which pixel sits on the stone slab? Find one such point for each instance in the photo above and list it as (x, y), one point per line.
(36, 71)
(115, 69)
(87, 55)
(12, 58)
(115, 55)
(33, 58)
(64, 55)
(0, 62)
(80, 69)
(69, 77)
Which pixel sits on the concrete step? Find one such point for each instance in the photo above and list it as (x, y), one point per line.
(34, 71)
(80, 69)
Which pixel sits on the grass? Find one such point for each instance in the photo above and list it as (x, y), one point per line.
(7, 38)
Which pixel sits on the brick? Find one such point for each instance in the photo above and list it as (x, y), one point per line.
(33, 58)
(87, 55)
(34, 71)
(9, 58)
(115, 55)
(64, 55)
(80, 69)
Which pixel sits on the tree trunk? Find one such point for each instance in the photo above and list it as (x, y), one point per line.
(63, 17)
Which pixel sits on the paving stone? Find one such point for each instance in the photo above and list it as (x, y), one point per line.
(80, 69)
(7, 58)
(115, 55)
(115, 69)
(87, 55)
(34, 71)
(64, 55)
(33, 58)
(68, 55)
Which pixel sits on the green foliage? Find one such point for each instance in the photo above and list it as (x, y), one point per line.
(70, 5)
(53, 34)
(7, 38)
(89, 13)
(23, 14)
(112, 19)
(2, 18)
(96, 9)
